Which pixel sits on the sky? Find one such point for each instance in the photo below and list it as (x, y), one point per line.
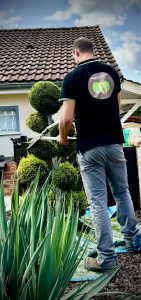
(120, 22)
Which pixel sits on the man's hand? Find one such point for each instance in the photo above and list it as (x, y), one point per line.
(62, 141)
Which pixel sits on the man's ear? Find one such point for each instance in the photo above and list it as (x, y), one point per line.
(77, 53)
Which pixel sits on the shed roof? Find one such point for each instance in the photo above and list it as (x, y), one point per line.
(46, 54)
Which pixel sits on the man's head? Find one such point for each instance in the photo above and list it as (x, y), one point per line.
(82, 49)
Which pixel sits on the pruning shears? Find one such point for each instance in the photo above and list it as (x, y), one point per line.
(42, 137)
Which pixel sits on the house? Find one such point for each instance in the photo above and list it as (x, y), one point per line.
(31, 55)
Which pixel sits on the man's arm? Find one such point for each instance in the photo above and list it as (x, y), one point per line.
(66, 121)
(118, 99)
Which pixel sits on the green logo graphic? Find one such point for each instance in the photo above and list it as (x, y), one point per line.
(101, 87)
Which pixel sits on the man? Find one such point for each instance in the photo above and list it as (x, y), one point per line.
(91, 93)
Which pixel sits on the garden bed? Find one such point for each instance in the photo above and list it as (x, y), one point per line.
(128, 278)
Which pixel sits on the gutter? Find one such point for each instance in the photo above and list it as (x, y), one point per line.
(23, 85)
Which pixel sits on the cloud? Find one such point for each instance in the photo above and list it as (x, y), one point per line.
(6, 21)
(107, 13)
(129, 36)
(59, 16)
(137, 2)
(105, 20)
(108, 40)
(113, 37)
(11, 10)
(128, 55)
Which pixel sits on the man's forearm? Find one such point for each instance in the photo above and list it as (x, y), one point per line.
(65, 127)
(66, 121)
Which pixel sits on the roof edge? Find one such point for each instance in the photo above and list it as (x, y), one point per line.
(49, 28)
(129, 80)
(26, 84)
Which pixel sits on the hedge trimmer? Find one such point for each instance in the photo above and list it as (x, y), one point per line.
(42, 137)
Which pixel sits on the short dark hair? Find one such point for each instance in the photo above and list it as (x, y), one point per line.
(83, 44)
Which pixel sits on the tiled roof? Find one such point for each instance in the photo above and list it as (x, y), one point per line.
(46, 54)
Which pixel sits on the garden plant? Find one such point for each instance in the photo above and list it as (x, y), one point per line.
(61, 160)
(39, 251)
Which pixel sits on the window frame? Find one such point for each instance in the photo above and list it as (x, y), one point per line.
(16, 108)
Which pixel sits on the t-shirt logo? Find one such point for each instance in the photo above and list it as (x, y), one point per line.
(101, 85)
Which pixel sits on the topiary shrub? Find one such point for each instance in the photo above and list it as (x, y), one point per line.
(79, 185)
(37, 121)
(54, 131)
(44, 149)
(51, 196)
(44, 97)
(79, 199)
(28, 168)
(65, 177)
(22, 197)
(66, 151)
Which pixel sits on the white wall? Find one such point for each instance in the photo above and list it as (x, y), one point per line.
(21, 100)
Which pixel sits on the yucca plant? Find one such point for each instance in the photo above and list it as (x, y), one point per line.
(39, 251)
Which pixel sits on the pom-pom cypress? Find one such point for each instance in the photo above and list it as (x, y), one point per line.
(37, 121)
(44, 96)
(65, 177)
(28, 168)
(44, 149)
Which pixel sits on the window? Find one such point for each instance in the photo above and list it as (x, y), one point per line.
(9, 119)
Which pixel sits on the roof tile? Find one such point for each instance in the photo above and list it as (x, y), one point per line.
(46, 54)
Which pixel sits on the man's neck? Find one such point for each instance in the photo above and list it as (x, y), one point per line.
(86, 56)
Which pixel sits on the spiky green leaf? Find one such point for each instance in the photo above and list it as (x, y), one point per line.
(3, 220)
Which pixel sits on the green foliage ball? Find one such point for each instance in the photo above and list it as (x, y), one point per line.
(54, 131)
(66, 151)
(44, 96)
(37, 121)
(51, 197)
(79, 199)
(44, 149)
(65, 177)
(79, 185)
(22, 198)
(28, 168)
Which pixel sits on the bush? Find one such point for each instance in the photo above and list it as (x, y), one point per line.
(66, 151)
(79, 185)
(28, 168)
(44, 97)
(37, 121)
(65, 177)
(137, 113)
(79, 199)
(51, 196)
(22, 197)
(44, 149)
(54, 131)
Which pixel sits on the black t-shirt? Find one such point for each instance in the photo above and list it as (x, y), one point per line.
(94, 86)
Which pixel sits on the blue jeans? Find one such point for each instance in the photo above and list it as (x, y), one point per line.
(96, 165)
